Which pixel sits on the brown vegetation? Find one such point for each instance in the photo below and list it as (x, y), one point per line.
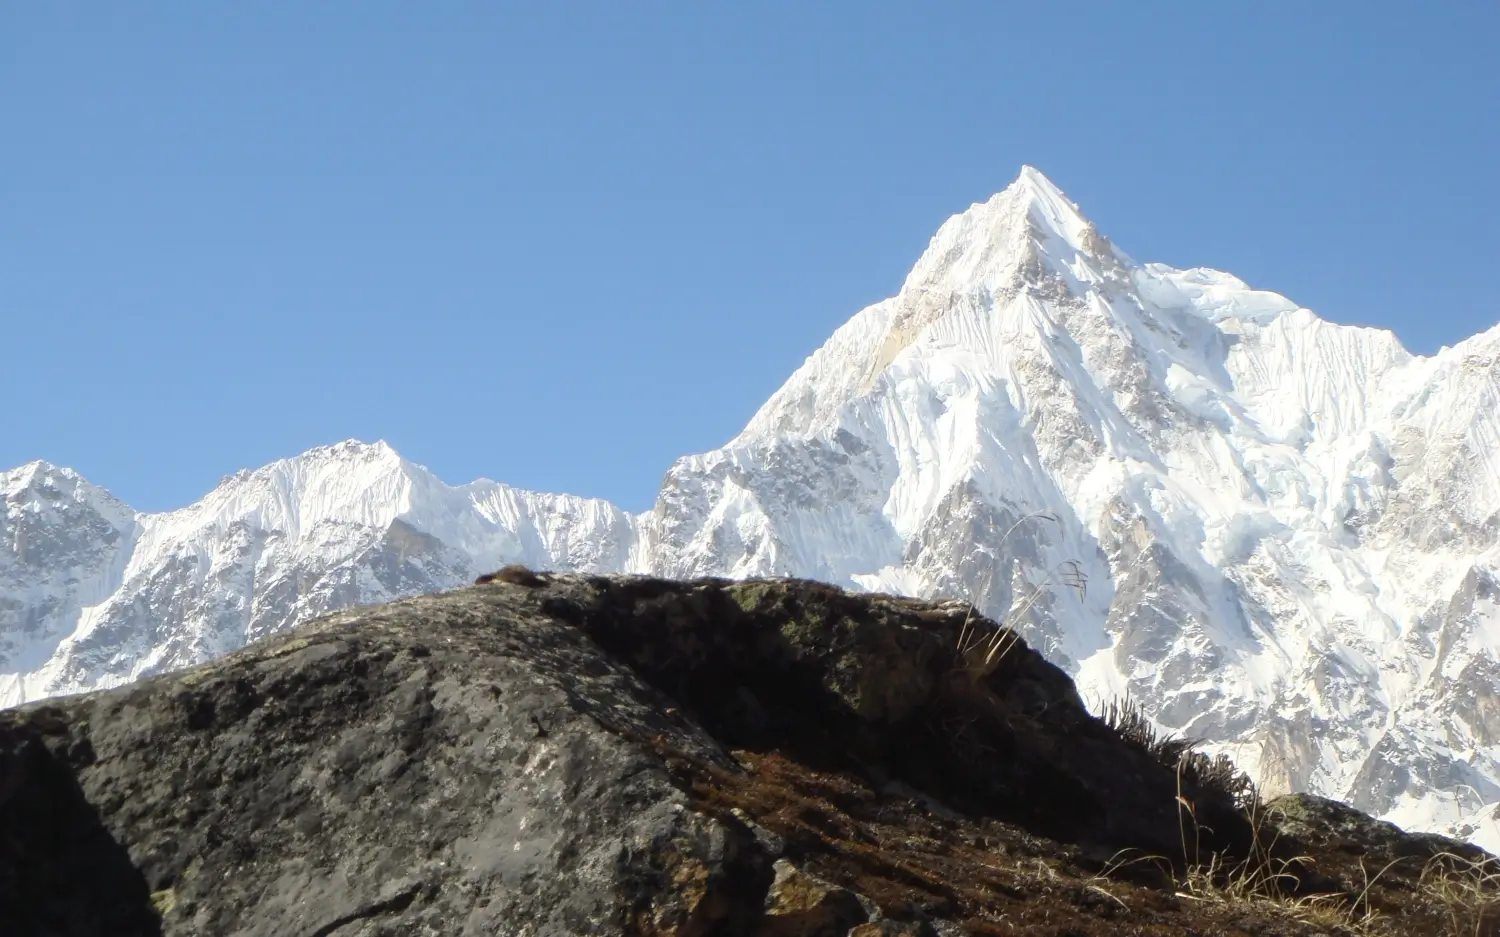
(515, 574)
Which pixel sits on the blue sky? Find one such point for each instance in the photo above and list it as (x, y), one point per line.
(560, 244)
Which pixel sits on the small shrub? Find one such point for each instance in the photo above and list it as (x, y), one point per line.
(1219, 775)
(1208, 776)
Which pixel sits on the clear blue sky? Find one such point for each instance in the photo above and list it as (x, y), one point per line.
(559, 244)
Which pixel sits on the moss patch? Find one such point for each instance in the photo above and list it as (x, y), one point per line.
(287, 647)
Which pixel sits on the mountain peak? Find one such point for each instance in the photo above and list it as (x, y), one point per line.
(22, 476)
(1047, 208)
(40, 473)
(1035, 183)
(1021, 234)
(351, 449)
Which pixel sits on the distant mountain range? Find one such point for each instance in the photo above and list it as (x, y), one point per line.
(1289, 529)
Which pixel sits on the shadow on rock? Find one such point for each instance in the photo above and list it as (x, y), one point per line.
(874, 684)
(61, 871)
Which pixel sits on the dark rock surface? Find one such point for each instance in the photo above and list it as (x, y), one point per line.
(591, 755)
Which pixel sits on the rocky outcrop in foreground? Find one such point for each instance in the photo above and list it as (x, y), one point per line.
(592, 755)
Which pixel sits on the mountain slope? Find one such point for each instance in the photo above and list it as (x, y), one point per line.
(334, 527)
(1276, 533)
(1288, 527)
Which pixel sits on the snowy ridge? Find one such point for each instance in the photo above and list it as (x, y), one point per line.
(1290, 529)
(336, 526)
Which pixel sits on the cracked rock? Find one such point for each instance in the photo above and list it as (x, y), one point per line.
(800, 905)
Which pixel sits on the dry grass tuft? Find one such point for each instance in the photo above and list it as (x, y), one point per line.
(981, 649)
(1214, 776)
(1464, 891)
(1261, 882)
(1468, 890)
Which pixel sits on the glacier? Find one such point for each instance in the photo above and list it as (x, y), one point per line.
(1275, 533)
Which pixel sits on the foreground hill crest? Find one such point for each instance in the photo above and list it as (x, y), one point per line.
(1289, 527)
(633, 756)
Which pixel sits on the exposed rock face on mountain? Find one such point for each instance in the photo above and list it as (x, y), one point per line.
(1289, 530)
(635, 756)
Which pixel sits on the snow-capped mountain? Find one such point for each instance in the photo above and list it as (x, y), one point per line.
(93, 595)
(1289, 529)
